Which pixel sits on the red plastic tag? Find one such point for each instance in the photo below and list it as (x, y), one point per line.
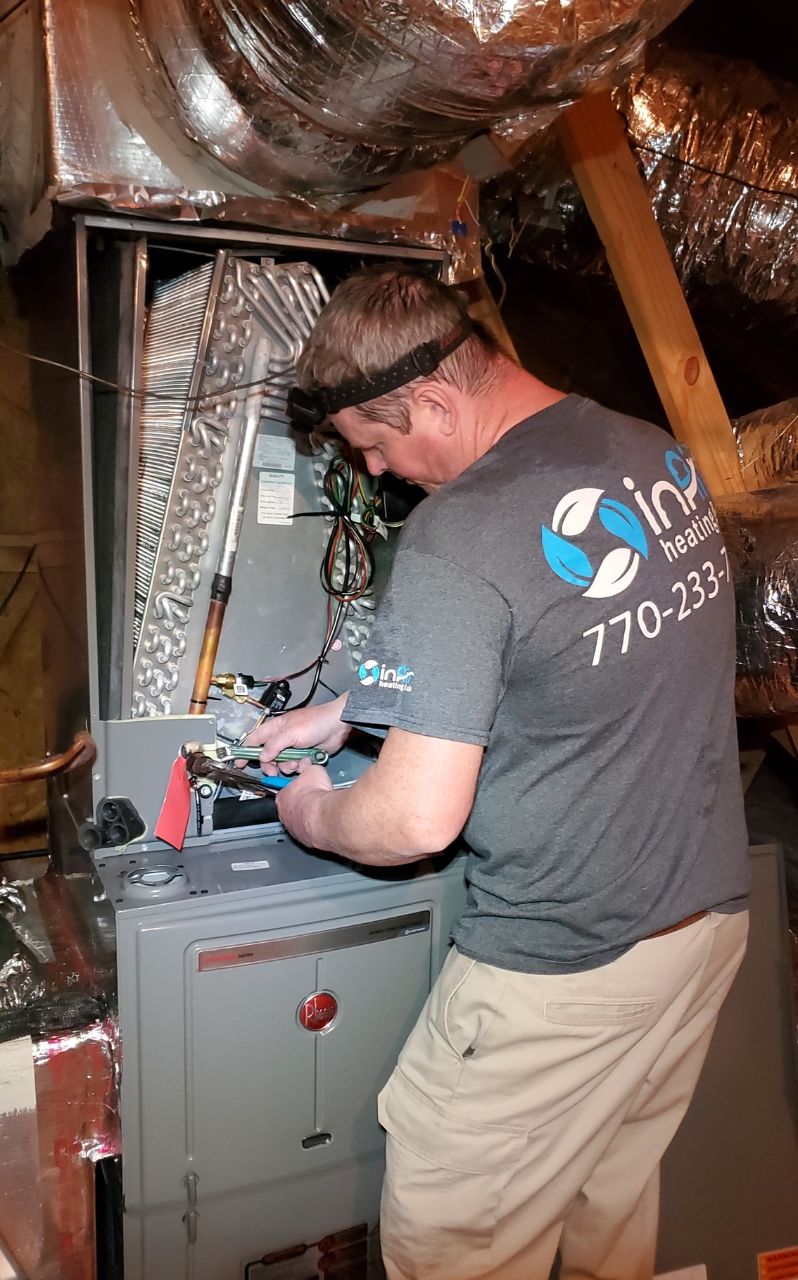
(172, 821)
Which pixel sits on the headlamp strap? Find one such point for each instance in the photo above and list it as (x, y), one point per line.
(308, 409)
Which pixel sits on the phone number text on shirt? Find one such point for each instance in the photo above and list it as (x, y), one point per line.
(616, 634)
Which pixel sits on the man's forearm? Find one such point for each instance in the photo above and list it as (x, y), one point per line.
(412, 803)
(361, 823)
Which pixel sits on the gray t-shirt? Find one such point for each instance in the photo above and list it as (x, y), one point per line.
(566, 604)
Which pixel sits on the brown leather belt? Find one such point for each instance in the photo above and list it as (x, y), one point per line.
(693, 919)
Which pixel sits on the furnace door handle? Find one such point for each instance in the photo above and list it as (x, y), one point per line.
(82, 751)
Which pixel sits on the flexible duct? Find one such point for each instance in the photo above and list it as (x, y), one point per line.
(767, 444)
(323, 97)
(717, 142)
(761, 534)
(761, 531)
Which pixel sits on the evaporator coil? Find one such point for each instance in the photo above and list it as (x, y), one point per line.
(220, 349)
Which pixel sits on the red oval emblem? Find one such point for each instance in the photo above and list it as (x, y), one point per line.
(318, 1011)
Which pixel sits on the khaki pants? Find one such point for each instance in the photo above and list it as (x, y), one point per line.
(529, 1113)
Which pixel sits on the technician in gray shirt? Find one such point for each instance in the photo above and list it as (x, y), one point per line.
(554, 657)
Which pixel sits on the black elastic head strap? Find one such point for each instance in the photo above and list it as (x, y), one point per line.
(308, 409)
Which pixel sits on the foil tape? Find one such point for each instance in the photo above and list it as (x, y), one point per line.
(717, 143)
(767, 444)
(761, 533)
(56, 960)
(77, 1111)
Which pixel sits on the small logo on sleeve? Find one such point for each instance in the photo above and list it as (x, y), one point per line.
(399, 678)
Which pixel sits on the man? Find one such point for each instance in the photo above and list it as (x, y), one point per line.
(554, 657)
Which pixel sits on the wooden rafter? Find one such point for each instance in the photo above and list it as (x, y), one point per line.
(594, 138)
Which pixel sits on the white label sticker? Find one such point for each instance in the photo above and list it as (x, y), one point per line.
(275, 497)
(277, 453)
(263, 865)
(17, 1087)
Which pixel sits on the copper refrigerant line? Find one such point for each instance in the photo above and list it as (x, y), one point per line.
(223, 578)
(82, 751)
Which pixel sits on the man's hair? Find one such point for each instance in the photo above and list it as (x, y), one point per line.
(374, 319)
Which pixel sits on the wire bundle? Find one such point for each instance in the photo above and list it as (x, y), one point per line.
(347, 568)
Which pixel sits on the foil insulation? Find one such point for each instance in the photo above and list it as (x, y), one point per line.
(247, 111)
(335, 97)
(717, 142)
(59, 1060)
(767, 444)
(718, 145)
(761, 533)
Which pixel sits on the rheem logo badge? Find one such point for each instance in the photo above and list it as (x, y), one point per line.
(318, 1012)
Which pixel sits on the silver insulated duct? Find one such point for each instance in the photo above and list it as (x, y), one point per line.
(717, 143)
(767, 444)
(761, 533)
(232, 108)
(334, 97)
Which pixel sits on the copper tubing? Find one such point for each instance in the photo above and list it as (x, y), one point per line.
(207, 658)
(82, 751)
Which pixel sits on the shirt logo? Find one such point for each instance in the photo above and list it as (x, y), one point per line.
(398, 678)
(619, 566)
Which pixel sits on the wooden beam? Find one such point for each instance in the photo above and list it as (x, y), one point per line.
(593, 135)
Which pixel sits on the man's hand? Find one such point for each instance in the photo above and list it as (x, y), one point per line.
(318, 726)
(412, 803)
(295, 804)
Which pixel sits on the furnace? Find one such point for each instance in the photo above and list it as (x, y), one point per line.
(263, 992)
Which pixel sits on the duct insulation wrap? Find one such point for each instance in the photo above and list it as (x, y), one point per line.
(717, 142)
(761, 533)
(328, 97)
(767, 444)
(82, 124)
(59, 1063)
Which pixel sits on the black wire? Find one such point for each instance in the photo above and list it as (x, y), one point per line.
(343, 526)
(322, 658)
(78, 642)
(9, 13)
(715, 173)
(133, 392)
(352, 589)
(9, 596)
(358, 567)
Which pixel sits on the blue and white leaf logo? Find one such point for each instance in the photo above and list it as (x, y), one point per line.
(369, 672)
(571, 518)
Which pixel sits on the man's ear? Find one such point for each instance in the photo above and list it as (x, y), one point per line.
(435, 403)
